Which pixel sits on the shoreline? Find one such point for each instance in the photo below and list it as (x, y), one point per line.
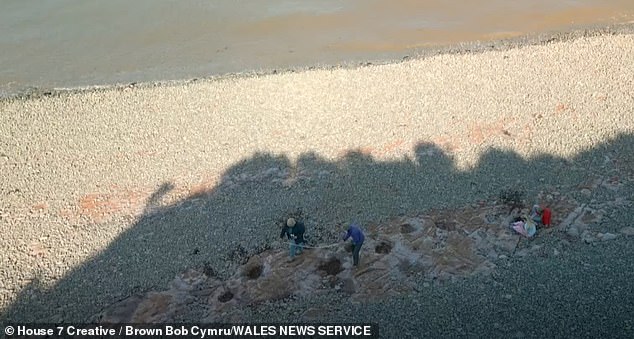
(470, 47)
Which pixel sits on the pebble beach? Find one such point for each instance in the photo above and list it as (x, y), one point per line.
(113, 191)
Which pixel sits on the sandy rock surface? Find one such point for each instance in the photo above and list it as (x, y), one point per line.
(397, 256)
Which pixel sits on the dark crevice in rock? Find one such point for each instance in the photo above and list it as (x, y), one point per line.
(331, 267)
(383, 247)
(208, 270)
(255, 272)
(446, 225)
(226, 296)
(407, 228)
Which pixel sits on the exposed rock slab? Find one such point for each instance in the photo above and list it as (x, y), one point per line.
(439, 245)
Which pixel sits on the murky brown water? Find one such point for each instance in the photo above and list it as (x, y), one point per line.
(69, 43)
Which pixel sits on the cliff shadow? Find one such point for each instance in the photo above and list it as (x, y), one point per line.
(219, 228)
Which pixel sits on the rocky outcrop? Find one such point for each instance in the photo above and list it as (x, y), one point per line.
(396, 255)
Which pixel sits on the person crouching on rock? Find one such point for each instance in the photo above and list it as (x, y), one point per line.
(294, 230)
(354, 232)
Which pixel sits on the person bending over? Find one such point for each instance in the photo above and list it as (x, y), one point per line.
(294, 230)
(354, 232)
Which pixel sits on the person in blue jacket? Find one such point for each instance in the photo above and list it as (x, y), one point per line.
(354, 232)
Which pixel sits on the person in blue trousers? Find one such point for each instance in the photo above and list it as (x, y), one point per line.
(294, 230)
(354, 232)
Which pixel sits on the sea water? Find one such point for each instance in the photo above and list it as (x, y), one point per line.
(74, 43)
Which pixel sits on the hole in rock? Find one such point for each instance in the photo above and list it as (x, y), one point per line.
(226, 296)
(255, 272)
(383, 247)
(407, 228)
(446, 225)
(208, 270)
(331, 267)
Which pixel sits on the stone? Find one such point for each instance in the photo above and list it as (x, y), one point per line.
(628, 231)
(587, 237)
(573, 231)
(348, 286)
(586, 192)
(120, 312)
(522, 253)
(608, 236)
(155, 308)
(571, 217)
(314, 313)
